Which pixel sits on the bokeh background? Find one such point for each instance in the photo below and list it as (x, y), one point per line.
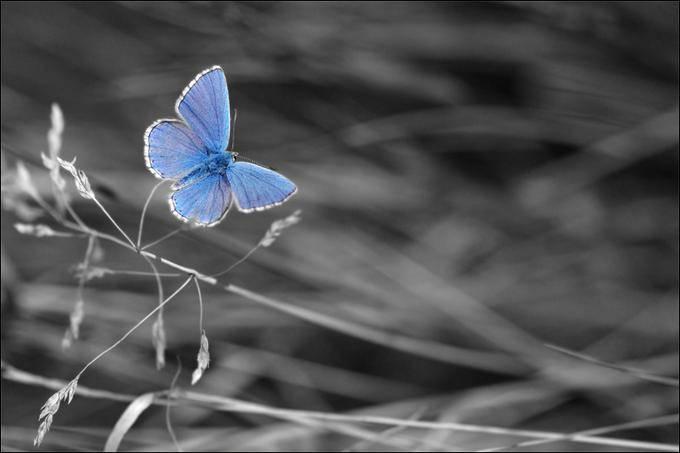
(483, 176)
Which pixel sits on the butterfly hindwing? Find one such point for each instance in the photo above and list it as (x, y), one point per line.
(172, 150)
(203, 202)
(204, 105)
(257, 188)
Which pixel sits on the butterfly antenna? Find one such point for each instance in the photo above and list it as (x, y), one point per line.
(233, 141)
(233, 130)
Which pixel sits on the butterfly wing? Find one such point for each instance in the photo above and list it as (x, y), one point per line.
(204, 202)
(204, 106)
(172, 150)
(257, 188)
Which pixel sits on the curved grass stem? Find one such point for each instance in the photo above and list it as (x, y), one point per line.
(146, 206)
(245, 257)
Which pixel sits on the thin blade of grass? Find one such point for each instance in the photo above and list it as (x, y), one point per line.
(127, 419)
(220, 403)
(641, 374)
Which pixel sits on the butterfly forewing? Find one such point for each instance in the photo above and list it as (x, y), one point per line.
(172, 150)
(204, 105)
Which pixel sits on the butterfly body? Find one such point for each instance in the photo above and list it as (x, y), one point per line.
(192, 152)
(217, 163)
(220, 162)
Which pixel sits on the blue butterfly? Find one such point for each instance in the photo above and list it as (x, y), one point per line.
(193, 153)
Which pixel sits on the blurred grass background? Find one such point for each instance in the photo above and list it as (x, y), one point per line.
(491, 176)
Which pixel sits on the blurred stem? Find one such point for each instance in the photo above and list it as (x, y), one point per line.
(168, 422)
(160, 346)
(77, 313)
(641, 374)
(390, 432)
(67, 204)
(86, 264)
(435, 351)
(73, 214)
(650, 422)
(47, 207)
(235, 405)
(220, 403)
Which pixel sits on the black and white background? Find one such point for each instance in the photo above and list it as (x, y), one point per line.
(480, 184)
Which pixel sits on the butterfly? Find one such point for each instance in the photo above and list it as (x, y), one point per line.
(192, 152)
